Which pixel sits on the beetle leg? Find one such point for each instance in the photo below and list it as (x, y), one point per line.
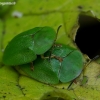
(52, 56)
(57, 45)
(57, 32)
(32, 67)
(42, 56)
(58, 58)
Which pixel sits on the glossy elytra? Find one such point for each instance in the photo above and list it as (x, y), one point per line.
(25, 47)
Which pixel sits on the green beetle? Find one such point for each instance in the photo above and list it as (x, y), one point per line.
(60, 64)
(25, 47)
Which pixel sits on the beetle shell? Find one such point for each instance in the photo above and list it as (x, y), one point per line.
(42, 71)
(71, 64)
(25, 47)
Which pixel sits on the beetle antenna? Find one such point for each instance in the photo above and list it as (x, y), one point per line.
(54, 41)
(92, 60)
(58, 30)
(57, 34)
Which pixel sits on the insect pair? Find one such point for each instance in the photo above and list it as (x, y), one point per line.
(61, 63)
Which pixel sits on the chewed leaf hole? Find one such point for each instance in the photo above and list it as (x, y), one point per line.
(88, 35)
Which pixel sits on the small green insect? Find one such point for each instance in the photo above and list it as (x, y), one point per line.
(60, 64)
(25, 47)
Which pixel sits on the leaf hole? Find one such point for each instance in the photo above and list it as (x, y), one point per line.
(88, 35)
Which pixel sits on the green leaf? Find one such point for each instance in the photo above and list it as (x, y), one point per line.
(88, 86)
(1, 38)
(9, 86)
(4, 8)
